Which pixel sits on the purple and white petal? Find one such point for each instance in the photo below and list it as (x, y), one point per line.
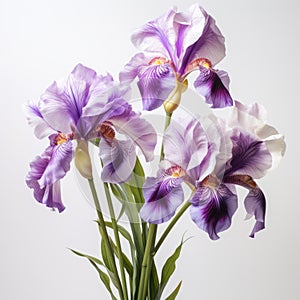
(210, 43)
(157, 36)
(118, 158)
(250, 156)
(212, 85)
(44, 179)
(131, 69)
(59, 158)
(255, 205)
(189, 26)
(36, 120)
(162, 196)
(212, 209)
(156, 82)
(138, 130)
(197, 148)
(61, 105)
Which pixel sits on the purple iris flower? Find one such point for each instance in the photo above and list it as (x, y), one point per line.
(250, 149)
(189, 157)
(174, 45)
(84, 107)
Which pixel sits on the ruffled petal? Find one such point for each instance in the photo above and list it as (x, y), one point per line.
(156, 82)
(212, 209)
(162, 196)
(157, 36)
(36, 120)
(138, 130)
(118, 158)
(61, 105)
(46, 171)
(187, 132)
(210, 43)
(59, 158)
(255, 205)
(131, 69)
(250, 156)
(213, 86)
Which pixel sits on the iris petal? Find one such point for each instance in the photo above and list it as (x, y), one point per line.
(162, 197)
(212, 209)
(118, 159)
(255, 205)
(35, 119)
(138, 130)
(250, 156)
(155, 83)
(212, 85)
(46, 171)
(210, 43)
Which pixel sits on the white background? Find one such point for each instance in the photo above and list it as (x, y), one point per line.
(42, 41)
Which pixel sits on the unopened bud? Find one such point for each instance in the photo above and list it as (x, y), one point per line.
(83, 160)
(174, 98)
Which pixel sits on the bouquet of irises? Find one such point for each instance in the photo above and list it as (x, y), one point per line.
(201, 158)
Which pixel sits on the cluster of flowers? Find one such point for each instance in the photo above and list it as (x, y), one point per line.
(88, 107)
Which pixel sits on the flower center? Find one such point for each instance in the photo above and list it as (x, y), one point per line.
(211, 181)
(201, 61)
(175, 172)
(62, 138)
(242, 180)
(105, 129)
(158, 61)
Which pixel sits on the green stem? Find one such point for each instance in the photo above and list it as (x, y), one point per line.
(167, 123)
(171, 224)
(147, 262)
(105, 237)
(117, 238)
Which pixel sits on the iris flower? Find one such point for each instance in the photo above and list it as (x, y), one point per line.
(84, 107)
(174, 45)
(250, 149)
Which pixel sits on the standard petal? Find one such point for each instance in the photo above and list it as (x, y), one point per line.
(250, 156)
(157, 36)
(131, 69)
(138, 130)
(255, 205)
(210, 44)
(118, 158)
(61, 105)
(212, 85)
(162, 196)
(187, 132)
(212, 209)
(36, 120)
(156, 82)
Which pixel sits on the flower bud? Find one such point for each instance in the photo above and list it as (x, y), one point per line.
(174, 98)
(83, 160)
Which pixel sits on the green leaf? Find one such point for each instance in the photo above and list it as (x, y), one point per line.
(174, 294)
(127, 264)
(89, 257)
(153, 283)
(103, 276)
(105, 279)
(168, 269)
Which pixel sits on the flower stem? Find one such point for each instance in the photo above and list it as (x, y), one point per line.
(167, 123)
(147, 262)
(117, 238)
(105, 237)
(171, 225)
